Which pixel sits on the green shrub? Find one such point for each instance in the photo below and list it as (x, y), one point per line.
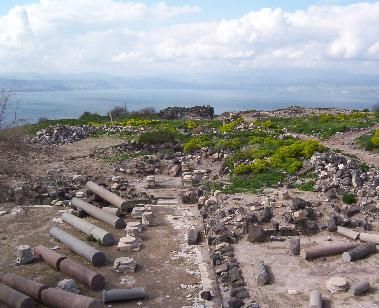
(349, 198)
(259, 165)
(375, 139)
(157, 137)
(251, 183)
(369, 142)
(231, 144)
(307, 186)
(230, 127)
(242, 169)
(91, 117)
(196, 143)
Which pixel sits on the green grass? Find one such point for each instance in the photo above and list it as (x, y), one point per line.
(122, 157)
(309, 181)
(349, 198)
(326, 126)
(307, 186)
(253, 183)
(365, 142)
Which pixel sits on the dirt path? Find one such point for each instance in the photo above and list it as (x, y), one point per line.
(171, 271)
(345, 142)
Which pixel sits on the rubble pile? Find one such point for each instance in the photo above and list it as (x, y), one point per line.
(144, 165)
(338, 174)
(62, 134)
(172, 113)
(224, 227)
(120, 149)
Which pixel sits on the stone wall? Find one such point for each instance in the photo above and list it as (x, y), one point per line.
(171, 113)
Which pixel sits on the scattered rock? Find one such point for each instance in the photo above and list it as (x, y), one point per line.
(206, 295)
(256, 234)
(124, 265)
(337, 284)
(24, 255)
(193, 237)
(68, 285)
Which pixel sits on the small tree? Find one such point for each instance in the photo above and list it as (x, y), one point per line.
(90, 117)
(118, 112)
(43, 120)
(145, 112)
(375, 108)
(4, 101)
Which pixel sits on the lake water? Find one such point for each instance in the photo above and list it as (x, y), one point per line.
(71, 104)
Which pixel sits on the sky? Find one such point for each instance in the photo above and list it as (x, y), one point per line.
(190, 38)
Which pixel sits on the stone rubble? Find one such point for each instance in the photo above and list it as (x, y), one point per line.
(124, 265)
(24, 255)
(337, 284)
(68, 285)
(62, 134)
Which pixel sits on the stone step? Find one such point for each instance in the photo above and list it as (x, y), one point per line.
(167, 202)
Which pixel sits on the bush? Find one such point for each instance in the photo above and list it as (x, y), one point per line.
(118, 112)
(307, 186)
(4, 101)
(349, 198)
(232, 144)
(230, 127)
(196, 143)
(42, 120)
(157, 137)
(143, 113)
(375, 139)
(242, 169)
(246, 183)
(90, 117)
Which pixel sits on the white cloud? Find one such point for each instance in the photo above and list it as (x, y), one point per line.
(133, 37)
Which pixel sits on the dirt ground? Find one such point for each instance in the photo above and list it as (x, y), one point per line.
(345, 142)
(292, 273)
(172, 272)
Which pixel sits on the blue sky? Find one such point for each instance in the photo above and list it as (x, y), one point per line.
(216, 8)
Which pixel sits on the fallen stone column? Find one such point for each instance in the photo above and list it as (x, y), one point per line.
(93, 280)
(14, 299)
(23, 285)
(120, 295)
(106, 238)
(84, 275)
(315, 299)
(107, 195)
(369, 237)
(112, 210)
(294, 246)
(114, 221)
(49, 256)
(351, 234)
(261, 273)
(174, 170)
(359, 252)
(360, 288)
(327, 250)
(97, 258)
(58, 298)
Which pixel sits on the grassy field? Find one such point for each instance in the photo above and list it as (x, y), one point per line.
(260, 154)
(369, 142)
(327, 125)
